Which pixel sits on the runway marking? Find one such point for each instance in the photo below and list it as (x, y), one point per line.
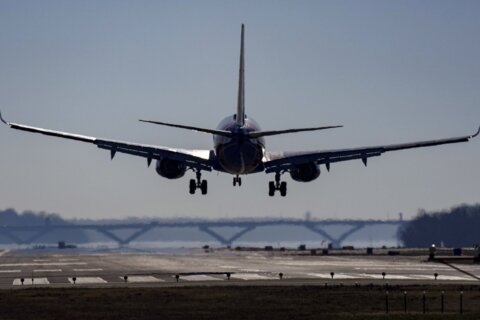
(42, 260)
(387, 276)
(91, 269)
(67, 260)
(328, 276)
(38, 264)
(143, 279)
(4, 252)
(10, 271)
(394, 277)
(251, 270)
(47, 270)
(87, 280)
(28, 281)
(251, 276)
(458, 278)
(200, 277)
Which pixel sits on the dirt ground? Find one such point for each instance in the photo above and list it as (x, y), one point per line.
(241, 302)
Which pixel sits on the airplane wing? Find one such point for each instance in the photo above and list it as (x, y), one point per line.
(201, 159)
(284, 161)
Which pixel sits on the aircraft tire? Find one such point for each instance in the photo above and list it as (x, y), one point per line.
(283, 189)
(204, 187)
(192, 186)
(271, 188)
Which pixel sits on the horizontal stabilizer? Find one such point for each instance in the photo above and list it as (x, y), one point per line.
(212, 131)
(257, 134)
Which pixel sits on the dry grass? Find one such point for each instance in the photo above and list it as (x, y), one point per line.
(236, 302)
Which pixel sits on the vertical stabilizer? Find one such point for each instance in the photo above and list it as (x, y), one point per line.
(240, 119)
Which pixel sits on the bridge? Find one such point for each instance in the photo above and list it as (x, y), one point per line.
(209, 227)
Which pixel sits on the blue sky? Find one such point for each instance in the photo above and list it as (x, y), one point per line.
(388, 71)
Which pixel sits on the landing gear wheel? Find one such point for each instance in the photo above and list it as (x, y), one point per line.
(237, 180)
(204, 187)
(192, 186)
(277, 185)
(197, 183)
(283, 189)
(271, 188)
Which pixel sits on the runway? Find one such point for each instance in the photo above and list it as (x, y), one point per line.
(60, 268)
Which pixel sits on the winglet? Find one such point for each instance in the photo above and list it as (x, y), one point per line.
(476, 134)
(1, 118)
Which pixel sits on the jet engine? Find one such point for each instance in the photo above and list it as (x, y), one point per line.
(170, 169)
(305, 172)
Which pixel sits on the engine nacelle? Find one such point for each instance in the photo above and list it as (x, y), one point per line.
(170, 169)
(305, 172)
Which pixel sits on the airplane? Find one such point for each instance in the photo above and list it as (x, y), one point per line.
(239, 149)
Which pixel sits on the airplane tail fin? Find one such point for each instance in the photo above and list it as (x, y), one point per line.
(240, 117)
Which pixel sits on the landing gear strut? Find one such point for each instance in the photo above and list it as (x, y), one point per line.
(198, 183)
(277, 185)
(237, 180)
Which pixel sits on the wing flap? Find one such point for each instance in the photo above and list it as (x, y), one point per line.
(282, 161)
(52, 133)
(195, 158)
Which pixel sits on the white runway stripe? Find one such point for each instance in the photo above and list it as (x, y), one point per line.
(87, 280)
(4, 252)
(91, 269)
(143, 279)
(251, 276)
(328, 276)
(67, 260)
(47, 270)
(28, 281)
(200, 277)
(39, 264)
(10, 271)
(388, 276)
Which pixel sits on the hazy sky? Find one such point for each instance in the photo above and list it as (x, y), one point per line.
(388, 71)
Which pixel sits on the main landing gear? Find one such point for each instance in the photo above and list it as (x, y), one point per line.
(277, 185)
(237, 180)
(198, 183)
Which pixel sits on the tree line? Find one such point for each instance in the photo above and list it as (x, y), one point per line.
(456, 227)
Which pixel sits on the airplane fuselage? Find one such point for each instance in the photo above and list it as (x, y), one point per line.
(239, 154)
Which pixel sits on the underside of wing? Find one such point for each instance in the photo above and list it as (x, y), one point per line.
(200, 159)
(285, 161)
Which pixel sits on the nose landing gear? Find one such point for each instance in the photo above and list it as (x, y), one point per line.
(237, 180)
(198, 184)
(277, 185)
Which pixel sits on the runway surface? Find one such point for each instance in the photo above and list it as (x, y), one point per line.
(59, 268)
